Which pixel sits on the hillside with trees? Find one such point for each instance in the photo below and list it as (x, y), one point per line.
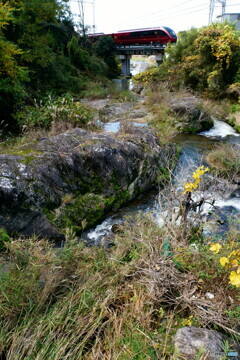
(41, 53)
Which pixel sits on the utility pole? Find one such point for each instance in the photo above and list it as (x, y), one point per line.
(81, 10)
(211, 9)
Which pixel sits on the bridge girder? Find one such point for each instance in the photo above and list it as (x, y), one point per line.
(140, 49)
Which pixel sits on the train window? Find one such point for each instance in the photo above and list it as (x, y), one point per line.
(171, 32)
(162, 33)
(136, 34)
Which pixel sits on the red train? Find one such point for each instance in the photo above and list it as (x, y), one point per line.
(158, 35)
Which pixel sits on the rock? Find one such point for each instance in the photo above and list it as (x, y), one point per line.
(117, 228)
(219, 221)
(137, 88)
(116, 111)
(73, 179)
(189, 341)
(235, 194)
(192, 117)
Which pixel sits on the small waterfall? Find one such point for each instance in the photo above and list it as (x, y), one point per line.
(193, 148)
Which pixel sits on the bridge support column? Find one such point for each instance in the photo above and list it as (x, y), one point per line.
(159, 58)
(125, 59)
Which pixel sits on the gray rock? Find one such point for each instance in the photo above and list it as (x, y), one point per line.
(235, 194)
(73, 179)
(189, 341)
(137, 88)
(192, 117)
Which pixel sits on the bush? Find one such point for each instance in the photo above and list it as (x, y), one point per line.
(225, 158)
(61, 109)
(206, 60)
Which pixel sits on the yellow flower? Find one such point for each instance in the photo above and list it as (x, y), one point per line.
(197, 177)
(224, 261)
(235, 253)
(215, 248)
(234, 263)
(235, 278)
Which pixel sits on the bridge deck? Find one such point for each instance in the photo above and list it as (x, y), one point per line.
(140, 49)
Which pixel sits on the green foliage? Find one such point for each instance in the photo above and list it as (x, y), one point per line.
(148, 76)
(40, 52)
(105, 49)
(12, 74)
(205, 59)
(4, 238)
(54, 110)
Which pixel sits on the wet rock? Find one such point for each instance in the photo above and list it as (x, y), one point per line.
(220, 219)
(73, 179)
(235, 194)
(117, 228)
(236, 180)
(190, 340)
(192, 118)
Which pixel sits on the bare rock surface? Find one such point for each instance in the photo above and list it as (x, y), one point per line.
(191, 116)
(189, 341)
(73, 179)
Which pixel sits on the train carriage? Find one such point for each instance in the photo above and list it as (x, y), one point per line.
(158, 35)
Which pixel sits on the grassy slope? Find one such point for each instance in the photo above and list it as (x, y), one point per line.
(120, 303)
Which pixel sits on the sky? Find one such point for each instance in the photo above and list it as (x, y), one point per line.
(112, 16)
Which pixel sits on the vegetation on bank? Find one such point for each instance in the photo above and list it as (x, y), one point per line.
(206, 60)
(225, 159)
(205, 63)
(41, 53)
(125, 301)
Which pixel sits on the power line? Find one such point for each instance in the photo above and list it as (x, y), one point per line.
(179, 15)
(182, 12)
(167, 9)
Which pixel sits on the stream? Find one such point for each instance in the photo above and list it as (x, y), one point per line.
(193, 148)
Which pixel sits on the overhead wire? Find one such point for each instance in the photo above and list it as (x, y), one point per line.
(180, 13)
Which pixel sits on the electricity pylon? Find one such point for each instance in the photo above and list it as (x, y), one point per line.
(211, 8)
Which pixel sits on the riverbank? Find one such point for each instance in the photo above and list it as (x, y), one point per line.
(128, 298)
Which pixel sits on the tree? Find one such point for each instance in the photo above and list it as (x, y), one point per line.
(12, 75)
(207, 59)
(106, 49)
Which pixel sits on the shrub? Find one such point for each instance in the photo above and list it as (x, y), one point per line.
(61, 109)
(205, 59)
(225, 159)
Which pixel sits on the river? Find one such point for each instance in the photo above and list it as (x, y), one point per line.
(193, 149)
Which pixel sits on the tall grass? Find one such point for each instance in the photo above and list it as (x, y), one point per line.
(125, 302)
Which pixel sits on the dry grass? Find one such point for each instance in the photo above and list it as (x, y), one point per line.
(120, 303)
(225, 158)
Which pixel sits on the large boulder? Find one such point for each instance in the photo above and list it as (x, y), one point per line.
(190, 342)
(192, 117)
(73, 179)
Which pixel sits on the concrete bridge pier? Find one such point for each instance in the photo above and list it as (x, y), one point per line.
(125, 59)
(159, 58)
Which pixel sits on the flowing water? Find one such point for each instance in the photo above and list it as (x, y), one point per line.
(193, 149)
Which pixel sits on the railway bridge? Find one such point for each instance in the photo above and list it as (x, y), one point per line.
(126, 51)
